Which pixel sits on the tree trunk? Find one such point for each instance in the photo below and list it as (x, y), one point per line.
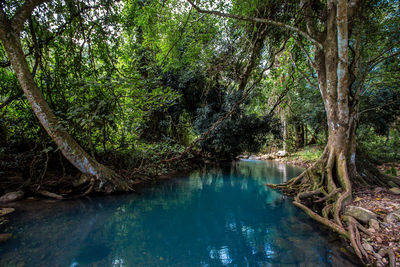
(284, 128)
(68, 146)
(299, 132)
(330, 179)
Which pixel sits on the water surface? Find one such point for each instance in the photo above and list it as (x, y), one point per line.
(212, 217)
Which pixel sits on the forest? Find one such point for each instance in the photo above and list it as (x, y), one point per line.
(100, 96)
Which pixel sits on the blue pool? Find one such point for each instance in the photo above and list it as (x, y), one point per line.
(223, 216)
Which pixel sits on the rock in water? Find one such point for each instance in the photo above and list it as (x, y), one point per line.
(12, 196)
(361, 214)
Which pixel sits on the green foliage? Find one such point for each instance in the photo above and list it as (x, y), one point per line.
(141, 79)
(378, 147)
(308, 154)
(242, 132)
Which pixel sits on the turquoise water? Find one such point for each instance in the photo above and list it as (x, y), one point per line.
(212, 217)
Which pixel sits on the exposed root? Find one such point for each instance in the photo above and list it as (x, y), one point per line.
(308, 194)
(323, 190)
(354, 242)
(109, 181)
(50, 194)
(88, 191)
(329, 196)
(322, 220)
(355, 239)
(392, 258)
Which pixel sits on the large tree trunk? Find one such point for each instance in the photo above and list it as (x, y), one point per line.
(323, 189)
(106, 179)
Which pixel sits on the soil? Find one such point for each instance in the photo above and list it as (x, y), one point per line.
(382, 202)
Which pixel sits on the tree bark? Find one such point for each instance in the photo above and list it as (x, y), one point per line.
(299, 132)
(68, 146)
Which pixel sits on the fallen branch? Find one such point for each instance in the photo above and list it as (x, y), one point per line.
(50, 194)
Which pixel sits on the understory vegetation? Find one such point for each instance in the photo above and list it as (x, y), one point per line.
(98, 96)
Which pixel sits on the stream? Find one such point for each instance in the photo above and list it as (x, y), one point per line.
(223, 216)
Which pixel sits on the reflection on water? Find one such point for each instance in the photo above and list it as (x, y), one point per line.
(214, 217)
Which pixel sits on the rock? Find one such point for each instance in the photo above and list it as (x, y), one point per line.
(374, 224)
(395, 190)
(367, 247)
(390, 218)
(5, 237)
(361, 214)
(393, 217)
(12, 196)
(266, 157)
(281, 153)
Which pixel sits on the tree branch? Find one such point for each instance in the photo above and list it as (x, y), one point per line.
(312, 63)
(4, 21)
(302, 73)
(261, 20)
(11, 99)
(23, 13)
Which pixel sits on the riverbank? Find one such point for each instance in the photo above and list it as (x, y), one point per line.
(377, 209)
(72, 185)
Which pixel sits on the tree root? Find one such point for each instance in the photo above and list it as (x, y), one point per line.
(330, 195)
(46, 193)
(109, 181)
(391, 256)
(88, 191)
(330, 177)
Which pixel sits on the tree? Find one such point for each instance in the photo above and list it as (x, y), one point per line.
(337, 33)
(10, 30)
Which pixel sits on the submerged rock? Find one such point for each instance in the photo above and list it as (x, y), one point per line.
(12, 196)
(361, 214)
